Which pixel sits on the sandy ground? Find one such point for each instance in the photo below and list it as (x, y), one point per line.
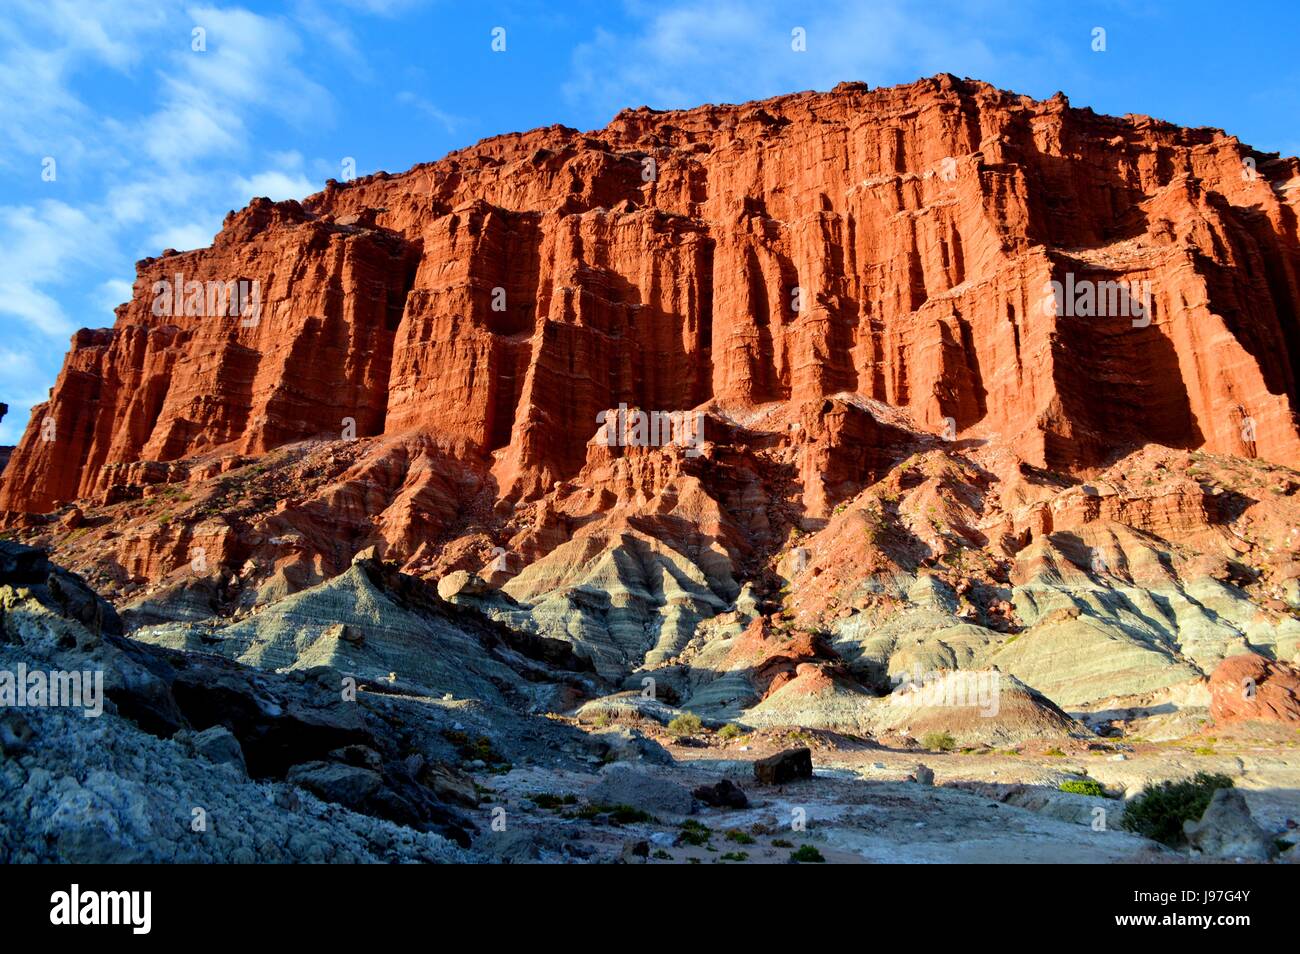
(861, 806)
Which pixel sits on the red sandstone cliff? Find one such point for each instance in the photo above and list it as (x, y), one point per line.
(499, 299)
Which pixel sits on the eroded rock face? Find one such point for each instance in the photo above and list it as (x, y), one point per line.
(1250, 688)
(891, 430)
(895, 243)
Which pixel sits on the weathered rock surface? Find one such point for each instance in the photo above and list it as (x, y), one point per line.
(901, 453)
(784, 767)
(121, 786)
(624, 785)
(507, 294)
(1227, 830)
(1250, 688)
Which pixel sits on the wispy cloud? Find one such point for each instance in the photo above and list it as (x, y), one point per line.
(688, 53)
(427, 109)
(161, 170)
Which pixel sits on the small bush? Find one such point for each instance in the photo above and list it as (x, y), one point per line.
(730, 731)
(1159, 812)
(781, 843)
(735, 856)
(1083, 786)
(1055, 753)
(695, 833)
(739, 837)
(627, 815)
(552, 801)
(688, 723)
(807, 854)
(939, 741)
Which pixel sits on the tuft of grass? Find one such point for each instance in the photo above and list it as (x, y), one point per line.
(552, 801)
(739, 837)
(939, 741)
(617, 814)
(695, 833)
(730, 731)
(1083, 786)
(1160, 810)
(688, 723)
(735, 856)
(781, 843)
(807, 854)
(1055, 753)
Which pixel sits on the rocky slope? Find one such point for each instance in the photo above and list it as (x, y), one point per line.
(906, 455)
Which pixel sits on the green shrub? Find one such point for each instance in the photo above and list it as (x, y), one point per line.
(781, 843)
(688, 723)
(739, 837)
(807, 854)
(552, 801)
(1159, 812)
(695, 833)
(730, 731)
(617, 814)
(735, 856)
(939, 741)
(1083, 786)
(627, 815)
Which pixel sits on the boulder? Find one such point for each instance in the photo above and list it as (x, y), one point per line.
(623, 785)
(784, 767)
(1227, 830)
(219, 746)
(724, 794)
(1251, 688)
(347, 785)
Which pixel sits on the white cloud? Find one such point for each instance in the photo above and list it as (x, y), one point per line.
(43, 242)
(428, 109)
(275, 185)
(247, 66)
(183, 237)
(112, 293)
(689, 53)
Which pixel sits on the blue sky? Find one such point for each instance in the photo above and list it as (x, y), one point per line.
(153, 141)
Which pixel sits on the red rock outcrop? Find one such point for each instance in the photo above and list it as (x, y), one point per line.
(823, 274)
(1250, 688)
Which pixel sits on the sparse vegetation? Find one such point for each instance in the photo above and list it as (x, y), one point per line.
(551, 801)
(616, 814)
(807, 854)
(695, 833)
(730, 731)
(688, 723)
(739, 837)
(1159, 812)
(938, 741)
(1083, 786)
